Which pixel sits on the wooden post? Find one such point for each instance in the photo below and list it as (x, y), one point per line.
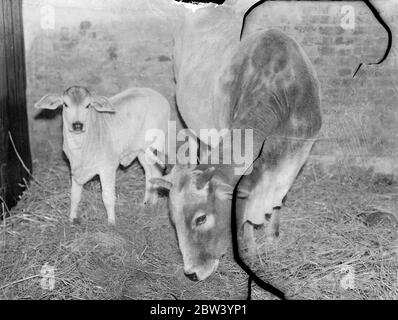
(13, 114)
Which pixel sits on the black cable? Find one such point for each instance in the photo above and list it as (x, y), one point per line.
(247, 13)
(386, 27)
(235, 247)
(249, 288)
(234, 227)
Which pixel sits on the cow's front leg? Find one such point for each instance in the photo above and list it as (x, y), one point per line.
(249, 240)
(151, 172)
(107, 178)
(272, 228)
(75, 196)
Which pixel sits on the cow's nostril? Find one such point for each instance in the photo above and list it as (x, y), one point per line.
(191, 276)
(77, 126)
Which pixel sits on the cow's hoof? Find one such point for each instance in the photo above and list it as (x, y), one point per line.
(272, 237)
(249, 248)
(252, 250)
(111, 222)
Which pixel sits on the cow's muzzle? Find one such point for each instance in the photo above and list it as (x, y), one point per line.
(201, 272)
(191, 276)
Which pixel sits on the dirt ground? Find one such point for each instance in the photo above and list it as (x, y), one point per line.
(335, 243)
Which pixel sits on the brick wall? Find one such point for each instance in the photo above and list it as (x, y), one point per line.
(102, 46)
(111, 45)
(361, 113)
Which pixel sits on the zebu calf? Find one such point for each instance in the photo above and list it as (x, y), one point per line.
(101, 133)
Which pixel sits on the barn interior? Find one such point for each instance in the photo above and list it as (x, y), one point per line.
(338, 237)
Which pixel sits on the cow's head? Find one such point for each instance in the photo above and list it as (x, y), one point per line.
(200, 208)
(77, 103)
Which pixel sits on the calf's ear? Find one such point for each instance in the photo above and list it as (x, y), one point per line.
(102, 104)
(49, 101)
(162, 182)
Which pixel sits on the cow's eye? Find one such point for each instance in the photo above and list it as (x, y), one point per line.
(88, 106)
(65, 105)
(201, 220)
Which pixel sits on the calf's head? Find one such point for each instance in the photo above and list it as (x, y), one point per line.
(200, 209)
(77, 102)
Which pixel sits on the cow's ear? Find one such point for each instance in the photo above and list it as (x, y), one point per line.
(50, 101)
(103, 104)
(204, 178)
(162, 182)
(225, 192)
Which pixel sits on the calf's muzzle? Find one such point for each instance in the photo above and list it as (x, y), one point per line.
(77, 126)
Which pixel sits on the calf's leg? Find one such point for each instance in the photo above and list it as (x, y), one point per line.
(75, 196)
(151, 171)
(107, 178)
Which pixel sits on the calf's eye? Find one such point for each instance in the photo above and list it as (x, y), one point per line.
(201, 220)
(88, 106)
(65, 105)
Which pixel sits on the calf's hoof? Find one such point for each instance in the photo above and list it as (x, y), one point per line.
(76, 221)
(151, 200)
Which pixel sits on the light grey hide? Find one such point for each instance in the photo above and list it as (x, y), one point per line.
(100, 133)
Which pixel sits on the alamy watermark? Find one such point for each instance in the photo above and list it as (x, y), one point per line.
(347, 21)
(226, 147)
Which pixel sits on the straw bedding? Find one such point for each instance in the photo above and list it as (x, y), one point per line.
(336, 224)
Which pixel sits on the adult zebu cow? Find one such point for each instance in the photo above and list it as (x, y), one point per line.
(265, 83)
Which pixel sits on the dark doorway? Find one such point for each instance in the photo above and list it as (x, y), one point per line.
(15, 157)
